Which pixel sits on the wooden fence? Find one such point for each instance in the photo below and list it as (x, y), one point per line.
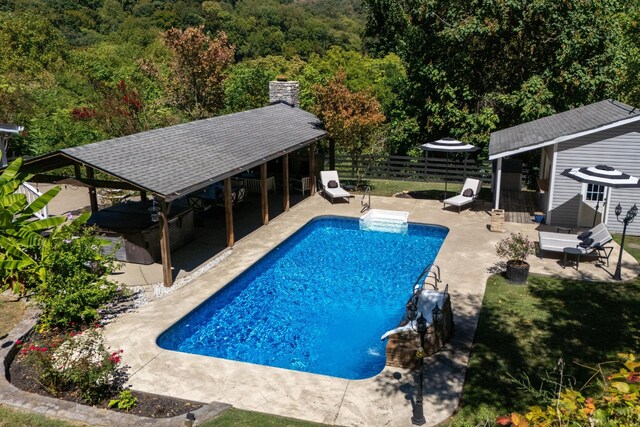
(408, 168)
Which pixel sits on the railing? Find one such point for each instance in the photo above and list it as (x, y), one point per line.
(32, 194)
(411, 168)
(366, 205)
(431, 271)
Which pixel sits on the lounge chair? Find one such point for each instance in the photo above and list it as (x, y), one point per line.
(331, 186)
(469, 193)
(589, 242)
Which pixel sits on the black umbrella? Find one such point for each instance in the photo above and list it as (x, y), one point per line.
(602, 175)
(449, 145)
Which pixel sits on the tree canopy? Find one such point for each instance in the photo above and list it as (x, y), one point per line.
(475, 66)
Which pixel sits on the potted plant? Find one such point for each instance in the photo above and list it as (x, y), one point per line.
(516, 248)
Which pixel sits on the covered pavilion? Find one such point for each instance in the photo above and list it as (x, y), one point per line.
(171, 163)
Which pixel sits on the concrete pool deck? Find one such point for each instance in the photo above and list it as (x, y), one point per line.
(466, 260)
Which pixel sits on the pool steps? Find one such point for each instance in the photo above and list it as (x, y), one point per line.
(386, 221)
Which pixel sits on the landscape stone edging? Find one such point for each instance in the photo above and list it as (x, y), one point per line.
(12, 396)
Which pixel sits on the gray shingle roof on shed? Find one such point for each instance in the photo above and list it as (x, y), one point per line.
(581, 119)
(176, 160)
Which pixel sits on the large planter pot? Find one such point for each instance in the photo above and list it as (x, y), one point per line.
(517, 271)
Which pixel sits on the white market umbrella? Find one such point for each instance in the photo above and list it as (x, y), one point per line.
(449, 145)
(602, 175)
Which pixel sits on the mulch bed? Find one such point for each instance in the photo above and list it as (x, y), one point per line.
(149, 405)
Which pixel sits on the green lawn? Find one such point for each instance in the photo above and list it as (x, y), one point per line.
(527, 329)
(426, 190)
(631, 244)
(237, 418)
(13, 418)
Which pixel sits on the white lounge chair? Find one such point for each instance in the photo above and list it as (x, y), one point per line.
(461, 200)
(331, 186)
(588, 242)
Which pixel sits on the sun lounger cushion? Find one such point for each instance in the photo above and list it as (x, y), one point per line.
(586, 242)
(584, 234)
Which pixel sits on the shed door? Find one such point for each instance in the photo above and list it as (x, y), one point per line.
(592, 195)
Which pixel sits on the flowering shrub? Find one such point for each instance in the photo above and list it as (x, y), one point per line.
(516, 247)
(618, 405)
(74, 284)
(76, 361)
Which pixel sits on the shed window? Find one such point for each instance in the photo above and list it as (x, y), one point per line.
(595, 193)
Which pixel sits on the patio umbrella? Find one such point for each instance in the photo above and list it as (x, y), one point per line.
(602, 175)
(449, 145)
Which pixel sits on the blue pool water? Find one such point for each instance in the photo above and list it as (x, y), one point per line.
(318, 302)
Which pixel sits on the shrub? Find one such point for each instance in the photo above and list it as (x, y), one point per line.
(77, 361)
(516, 247)
(74, 284)
(617, 405)
(125, 401)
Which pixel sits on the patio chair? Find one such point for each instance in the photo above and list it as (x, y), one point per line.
(237, 196)
(331, 186)
(590, 242)
(303, 184)
(468, 195)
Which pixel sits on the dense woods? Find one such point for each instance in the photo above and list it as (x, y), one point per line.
(78, 71)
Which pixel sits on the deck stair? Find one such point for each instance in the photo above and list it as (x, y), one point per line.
(386, 221)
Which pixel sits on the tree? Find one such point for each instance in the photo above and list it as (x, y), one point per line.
(469, 63)
(29, 44)
(20, 238)
(352, 119)
(198, 70)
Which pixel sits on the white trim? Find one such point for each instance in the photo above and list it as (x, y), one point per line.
(496, 204)
(552, 182)
(563, 138)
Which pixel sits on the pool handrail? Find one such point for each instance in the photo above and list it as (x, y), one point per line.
(427, 273)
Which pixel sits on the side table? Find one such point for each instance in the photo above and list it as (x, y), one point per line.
(571, 251)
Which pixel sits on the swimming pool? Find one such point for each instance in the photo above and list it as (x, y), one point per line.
(318, 302)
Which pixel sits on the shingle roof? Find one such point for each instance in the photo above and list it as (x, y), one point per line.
(177, 160)
(546, 129)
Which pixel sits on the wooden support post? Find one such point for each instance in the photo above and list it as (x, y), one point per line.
(285, 183)
(264, 194)
(93, 196)
(76, 170)
(332, 154)
(228, 211)
(312, 169)
(165, 245)
(143, 195)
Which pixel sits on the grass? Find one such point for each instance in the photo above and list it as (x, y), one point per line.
(427, 190)
(14, 418)
(10, 313)
(631, 244)
(528, 329)
(237, 418)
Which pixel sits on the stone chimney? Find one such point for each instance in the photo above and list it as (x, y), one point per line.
(283, 90)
